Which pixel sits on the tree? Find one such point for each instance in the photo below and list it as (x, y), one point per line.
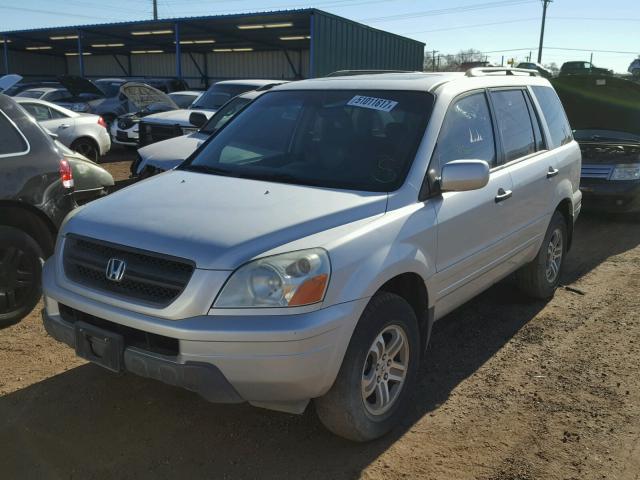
(452, 62)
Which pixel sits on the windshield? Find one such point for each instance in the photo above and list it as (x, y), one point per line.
(108, 87)
(31, 94)
(226, 112)
(218, 95)
(352, 139)
(183, 100)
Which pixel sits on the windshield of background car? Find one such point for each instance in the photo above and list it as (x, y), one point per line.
(31, 94)
(183, 100)
(218, 95)
(226, 112)
(351, 139)
(109, 88)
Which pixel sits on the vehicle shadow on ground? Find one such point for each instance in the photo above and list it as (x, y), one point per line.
(88, 423)
(598, 237)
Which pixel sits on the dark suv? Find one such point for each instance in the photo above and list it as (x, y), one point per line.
(36, 185)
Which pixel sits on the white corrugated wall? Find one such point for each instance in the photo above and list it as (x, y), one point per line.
(30, 64)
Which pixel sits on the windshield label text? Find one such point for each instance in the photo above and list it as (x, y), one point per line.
(373, 103)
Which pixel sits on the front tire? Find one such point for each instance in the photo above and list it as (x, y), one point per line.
(378, 373)
(20, 272)
(540, 278)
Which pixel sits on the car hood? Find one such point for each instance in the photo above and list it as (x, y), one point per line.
(218, 222)
(78, 85)
(599, 102)
(170, 153)
(176, 117)
(8, 81)
(143, 95)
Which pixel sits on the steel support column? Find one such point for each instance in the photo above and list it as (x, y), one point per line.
(178, 51)
(6, 54)
(80, 54)
(312, 41)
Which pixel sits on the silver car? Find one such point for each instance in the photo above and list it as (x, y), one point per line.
(85, 133)
(305, 250)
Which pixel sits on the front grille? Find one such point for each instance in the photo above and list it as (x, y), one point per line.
(596, 171)
(133, 337)
(149, 278)
(152, 133)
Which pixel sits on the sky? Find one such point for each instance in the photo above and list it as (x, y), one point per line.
(510, 28)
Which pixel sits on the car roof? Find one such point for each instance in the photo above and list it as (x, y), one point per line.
(251, 82)
(42, 89)
(415, 81)
(186, 92)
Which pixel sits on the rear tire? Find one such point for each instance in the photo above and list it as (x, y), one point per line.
(88, 148)
(384, 350)
(540, 278)
(20, 271)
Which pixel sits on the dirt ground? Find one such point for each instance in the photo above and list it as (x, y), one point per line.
(511, 390)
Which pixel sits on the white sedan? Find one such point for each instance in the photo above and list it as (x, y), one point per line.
(85, 133)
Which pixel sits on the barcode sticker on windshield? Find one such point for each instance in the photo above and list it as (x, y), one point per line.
(373, 103)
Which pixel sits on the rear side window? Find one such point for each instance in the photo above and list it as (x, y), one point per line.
(559, 128)
(39, 112)
(11, 141)
(514, 123)
(467, 132)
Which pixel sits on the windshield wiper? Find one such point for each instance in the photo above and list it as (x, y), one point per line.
(208, 169)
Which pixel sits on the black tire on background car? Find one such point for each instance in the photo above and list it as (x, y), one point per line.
(540, 278)
(87, 147)
(20, 271)
(378, 373)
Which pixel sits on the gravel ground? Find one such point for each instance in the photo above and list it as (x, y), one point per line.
(511, 390)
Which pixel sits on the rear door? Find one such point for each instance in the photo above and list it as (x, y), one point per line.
(472, 226)
(526, 158)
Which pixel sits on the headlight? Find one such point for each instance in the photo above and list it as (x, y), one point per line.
(626, 172)
(287, 280)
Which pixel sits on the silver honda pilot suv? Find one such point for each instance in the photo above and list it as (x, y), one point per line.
(304, 251)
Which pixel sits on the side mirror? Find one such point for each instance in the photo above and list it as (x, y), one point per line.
(197, 119)
(464, 175)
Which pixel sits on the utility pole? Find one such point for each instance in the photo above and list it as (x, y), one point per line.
(155, 9)
(434, 60)
(545, 3)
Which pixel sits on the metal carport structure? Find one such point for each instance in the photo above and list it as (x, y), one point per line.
(289, 44)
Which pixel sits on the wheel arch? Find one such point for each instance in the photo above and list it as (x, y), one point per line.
(565, 207)
(413, 289)
(31, 221)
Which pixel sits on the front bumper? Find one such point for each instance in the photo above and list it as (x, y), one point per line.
(273, 361)
(611, 196)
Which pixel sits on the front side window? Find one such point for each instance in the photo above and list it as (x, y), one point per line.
(514, 123)
(559, 129)
(352, 139)
(11, 141)
(467, 132)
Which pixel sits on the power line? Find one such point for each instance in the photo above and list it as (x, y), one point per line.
(447, 11)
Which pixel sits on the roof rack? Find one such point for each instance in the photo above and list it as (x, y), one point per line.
(482, 71)
(348, 73)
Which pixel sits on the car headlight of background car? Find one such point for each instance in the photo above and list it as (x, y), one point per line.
(287, 280)
(626, 172)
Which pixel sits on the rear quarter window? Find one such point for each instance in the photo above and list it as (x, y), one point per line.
(552, 110)
(11, 140)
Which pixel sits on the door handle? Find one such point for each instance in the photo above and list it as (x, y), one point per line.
(503, 195)
(552, 172)
(63, 126)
